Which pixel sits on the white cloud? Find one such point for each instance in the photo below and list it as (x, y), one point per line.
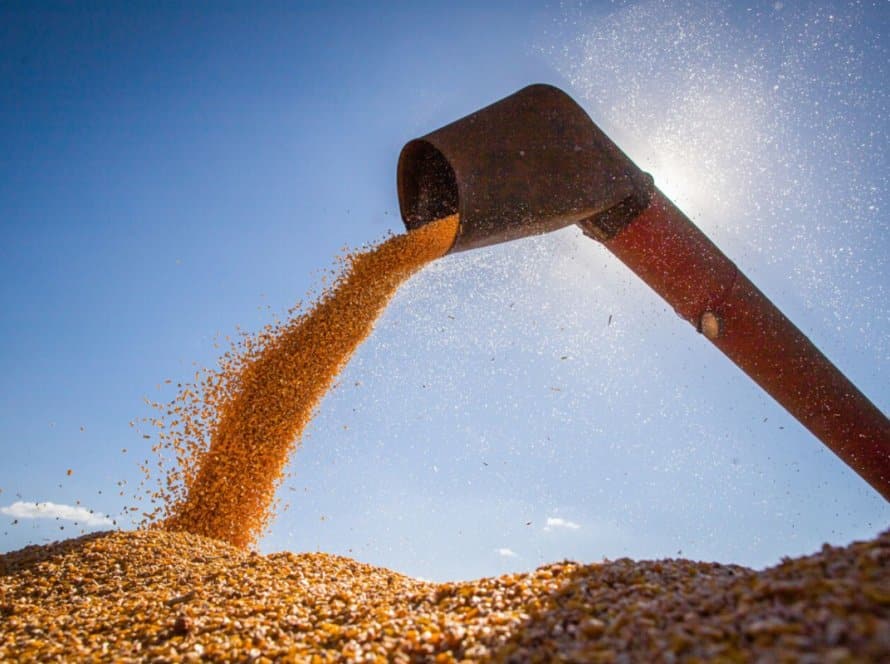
(506, 553)
(559, 522)
(48, 510)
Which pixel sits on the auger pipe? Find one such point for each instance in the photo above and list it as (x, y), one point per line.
(534, 162)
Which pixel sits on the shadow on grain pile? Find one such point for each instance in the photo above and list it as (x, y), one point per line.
(163, 596)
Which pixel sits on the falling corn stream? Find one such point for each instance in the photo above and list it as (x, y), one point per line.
(233, 434)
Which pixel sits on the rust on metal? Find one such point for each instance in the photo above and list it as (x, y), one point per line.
(528, 164)
(535, 162)
(677, 260)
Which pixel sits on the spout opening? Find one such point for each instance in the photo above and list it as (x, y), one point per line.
(427, 185)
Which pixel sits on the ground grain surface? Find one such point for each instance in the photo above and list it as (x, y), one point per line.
(165, 596)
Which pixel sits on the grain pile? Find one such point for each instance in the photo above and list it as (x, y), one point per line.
(232, 432)
(162, 596)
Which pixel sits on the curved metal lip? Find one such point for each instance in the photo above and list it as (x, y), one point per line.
(404, 183)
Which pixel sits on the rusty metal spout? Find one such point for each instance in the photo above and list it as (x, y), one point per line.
(528, 164)
(534, 162)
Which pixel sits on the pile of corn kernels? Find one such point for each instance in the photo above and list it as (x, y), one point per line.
(163, 596)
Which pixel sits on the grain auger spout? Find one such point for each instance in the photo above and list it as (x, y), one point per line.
(534, 162)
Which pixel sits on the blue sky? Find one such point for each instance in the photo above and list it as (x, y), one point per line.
(171, 172)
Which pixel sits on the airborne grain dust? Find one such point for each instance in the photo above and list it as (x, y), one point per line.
(231, 432)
